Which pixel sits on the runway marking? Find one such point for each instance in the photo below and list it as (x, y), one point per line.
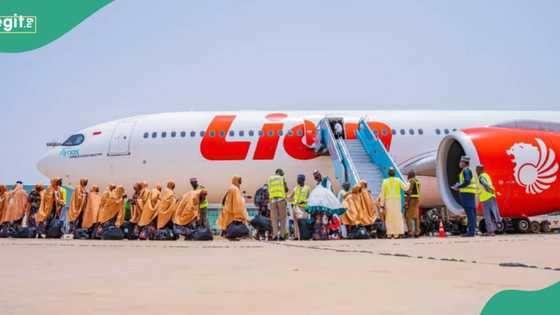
(453, 260)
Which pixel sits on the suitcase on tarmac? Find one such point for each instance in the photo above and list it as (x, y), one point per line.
(202, 234)
(236, 230)
(25, 232)
(112, 233)
(305, 230)
(54, 230)
(165, 235)
(186, 231)
(147, 233)
(380, 229)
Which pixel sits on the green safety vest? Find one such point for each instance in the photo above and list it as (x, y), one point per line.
(300, 195)
(203, 203)
(471, 188)
(417, 194)
(276, 188)
(486, 195)
(391, 188)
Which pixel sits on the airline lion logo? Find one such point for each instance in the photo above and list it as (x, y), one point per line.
(535, 167)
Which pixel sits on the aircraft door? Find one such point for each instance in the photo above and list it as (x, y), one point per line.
(120, 140)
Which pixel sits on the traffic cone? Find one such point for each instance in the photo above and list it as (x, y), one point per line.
(441, 230)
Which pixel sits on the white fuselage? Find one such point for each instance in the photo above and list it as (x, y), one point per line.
(118, 151)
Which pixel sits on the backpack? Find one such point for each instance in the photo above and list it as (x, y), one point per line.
(130, 233)
(54, 230)
(320, 232)
(380, 229)
(165, 235)
(112, 233)
(186, 231)
(236, 230)
(81, 234)
(359, 233)
(202, 234)
(261, 223)
(25, 232)
(147, 233)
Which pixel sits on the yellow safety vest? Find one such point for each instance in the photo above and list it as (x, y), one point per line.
(484, 194)
(417, 194)
(391, 188)
(203, 203)
(63, 194)
(471, 188)
(276, 188)
(300, 195)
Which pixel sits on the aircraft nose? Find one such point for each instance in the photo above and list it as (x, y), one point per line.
(45, 164)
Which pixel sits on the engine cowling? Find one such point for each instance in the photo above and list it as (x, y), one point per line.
(522, 163)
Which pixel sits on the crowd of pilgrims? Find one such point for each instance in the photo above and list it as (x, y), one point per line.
(157, 213)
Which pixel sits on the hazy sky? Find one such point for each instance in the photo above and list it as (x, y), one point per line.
(134, 57)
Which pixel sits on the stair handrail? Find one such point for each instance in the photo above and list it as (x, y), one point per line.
(369, 136)
(352, 174)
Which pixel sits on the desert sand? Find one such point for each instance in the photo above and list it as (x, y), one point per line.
(416, 276)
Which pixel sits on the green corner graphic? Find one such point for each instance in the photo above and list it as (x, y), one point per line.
(29, 24)
(513, 302)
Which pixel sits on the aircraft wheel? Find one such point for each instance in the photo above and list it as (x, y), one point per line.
(500, 227)
(482, 226)
(545, 227)
(522, 225)
(535, 227)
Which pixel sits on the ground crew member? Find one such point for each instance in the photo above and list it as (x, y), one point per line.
(412, 215)
(203, 206)
(467, 191)
(63, 215)
(299, 197)
(277, 189)
(487, 196)
(391, 191)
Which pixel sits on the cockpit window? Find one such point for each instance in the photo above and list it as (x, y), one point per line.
(74, 140)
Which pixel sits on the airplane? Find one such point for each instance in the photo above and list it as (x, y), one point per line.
(518, 148)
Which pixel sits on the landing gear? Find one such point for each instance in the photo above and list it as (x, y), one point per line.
(521, 225)
(535, 227)
(500, 227)
(545, 227)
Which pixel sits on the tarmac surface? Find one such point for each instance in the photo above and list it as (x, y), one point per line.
(416, 276)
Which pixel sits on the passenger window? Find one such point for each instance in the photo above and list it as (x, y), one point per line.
(241, 133)
(260, 133)
(202, 133)
(164, 134)
(375, 132)
(454, 129)
(271, 133)
(438, 131)
(212, 133)
(403, 132)
(173, 134)
(231, 133)
(146, 135)
(280, 132)
(384, 131)
(411, 131)
(394, 132)
(74, 140)
(222, 134)
(446, 131)
(290, 133)
(193, 134)
(251, 133)
(154, 134)
(183, 134)
(420, 131)
(300, 133)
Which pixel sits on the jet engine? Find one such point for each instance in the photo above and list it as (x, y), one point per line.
(522, 163)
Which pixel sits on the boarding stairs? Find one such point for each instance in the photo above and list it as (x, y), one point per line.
(362, 158)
